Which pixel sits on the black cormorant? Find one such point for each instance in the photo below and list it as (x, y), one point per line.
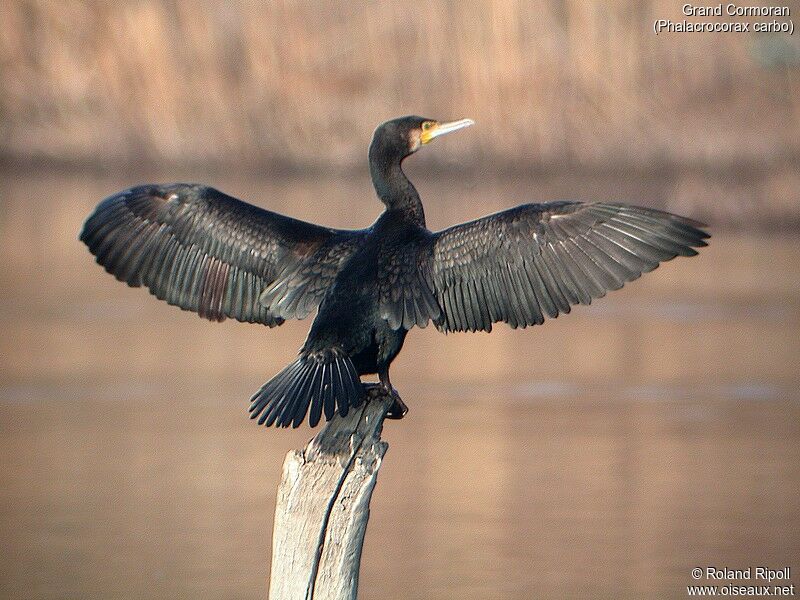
(204, 251)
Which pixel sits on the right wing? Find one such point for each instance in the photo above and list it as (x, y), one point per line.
(537, 260)
(208, 252)
(528, 262)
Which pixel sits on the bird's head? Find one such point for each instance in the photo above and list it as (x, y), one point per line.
(396, 139)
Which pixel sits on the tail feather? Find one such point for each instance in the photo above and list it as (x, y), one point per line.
(281, 384)
(350, 381)
(316, 402)
(315, 383)
(343, 381)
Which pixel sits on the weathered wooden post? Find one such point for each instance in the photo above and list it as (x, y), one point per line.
(322, 508)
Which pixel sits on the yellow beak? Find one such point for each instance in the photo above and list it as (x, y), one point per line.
(438, 129)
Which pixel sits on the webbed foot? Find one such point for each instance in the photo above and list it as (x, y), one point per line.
(398, 409)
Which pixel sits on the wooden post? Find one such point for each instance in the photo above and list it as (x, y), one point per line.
(322, 508)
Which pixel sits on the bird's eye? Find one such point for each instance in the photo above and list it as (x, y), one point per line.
(426, 125)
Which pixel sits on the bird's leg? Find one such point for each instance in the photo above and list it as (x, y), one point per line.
(398, 409)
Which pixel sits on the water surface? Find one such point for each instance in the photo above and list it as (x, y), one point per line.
(604, 454)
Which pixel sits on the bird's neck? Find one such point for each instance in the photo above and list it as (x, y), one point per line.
(397, 192)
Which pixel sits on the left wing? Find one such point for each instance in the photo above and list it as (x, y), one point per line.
(538, 260)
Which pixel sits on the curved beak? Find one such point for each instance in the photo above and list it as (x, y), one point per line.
(442, 128)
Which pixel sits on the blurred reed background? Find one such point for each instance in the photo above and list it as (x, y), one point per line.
(601, 455)
(300, 85)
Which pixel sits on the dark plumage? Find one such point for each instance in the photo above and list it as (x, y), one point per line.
(199, 249)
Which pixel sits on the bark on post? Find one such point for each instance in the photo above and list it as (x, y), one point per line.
(322, 507)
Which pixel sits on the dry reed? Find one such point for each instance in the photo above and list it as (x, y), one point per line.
(302, 83)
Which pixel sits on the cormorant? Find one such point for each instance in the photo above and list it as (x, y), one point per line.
(204, 251)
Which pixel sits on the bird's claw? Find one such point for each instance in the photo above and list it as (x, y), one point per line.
(398, 409)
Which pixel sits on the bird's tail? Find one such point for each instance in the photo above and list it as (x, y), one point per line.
(319, 380)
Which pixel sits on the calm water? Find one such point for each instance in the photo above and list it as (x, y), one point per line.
(604, 454)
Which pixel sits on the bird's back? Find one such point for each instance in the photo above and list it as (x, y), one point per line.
(351, 308)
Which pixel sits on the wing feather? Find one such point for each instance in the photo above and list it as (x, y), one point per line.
(537, 260)
(204, 251)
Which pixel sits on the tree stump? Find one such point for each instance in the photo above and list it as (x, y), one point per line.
(322, 507)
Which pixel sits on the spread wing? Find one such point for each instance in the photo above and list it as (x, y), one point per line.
(204, 251)
(538, 260)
